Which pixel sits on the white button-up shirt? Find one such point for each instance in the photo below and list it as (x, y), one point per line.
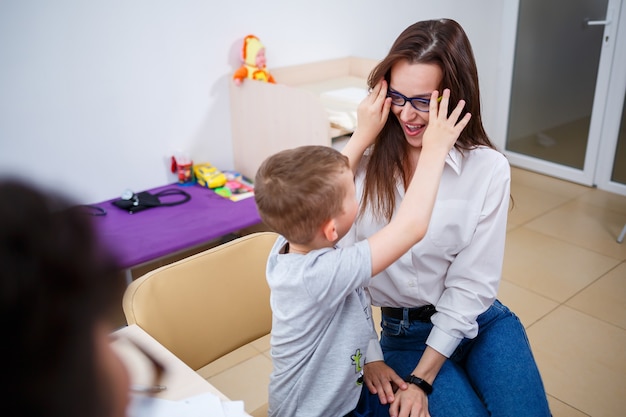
(458, 264)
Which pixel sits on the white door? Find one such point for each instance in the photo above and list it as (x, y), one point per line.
(567, 91)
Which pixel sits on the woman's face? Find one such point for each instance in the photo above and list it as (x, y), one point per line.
(413, 80)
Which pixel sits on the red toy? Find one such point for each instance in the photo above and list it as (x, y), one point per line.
(183, 166)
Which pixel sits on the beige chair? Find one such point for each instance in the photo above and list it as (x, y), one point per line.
(209, 304)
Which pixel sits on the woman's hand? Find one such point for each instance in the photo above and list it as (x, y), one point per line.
(411, 402)
(443, 131)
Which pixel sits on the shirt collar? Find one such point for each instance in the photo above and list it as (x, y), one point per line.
(454, 160)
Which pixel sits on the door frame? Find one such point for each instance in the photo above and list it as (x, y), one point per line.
(600, 153)
(613, 112)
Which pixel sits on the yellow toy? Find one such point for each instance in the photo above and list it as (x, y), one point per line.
(208, 176)
(253, 57)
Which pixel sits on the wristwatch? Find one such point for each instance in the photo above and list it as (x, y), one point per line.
(423, 385)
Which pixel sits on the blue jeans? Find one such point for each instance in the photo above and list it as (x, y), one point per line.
(494, 374)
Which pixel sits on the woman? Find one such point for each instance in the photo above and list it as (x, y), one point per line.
(59, 290)
(443, 330)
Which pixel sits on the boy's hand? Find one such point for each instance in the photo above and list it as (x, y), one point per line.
(443, 131)
(372, 112)
(381, 379)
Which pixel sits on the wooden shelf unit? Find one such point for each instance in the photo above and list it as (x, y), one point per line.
(267, 118)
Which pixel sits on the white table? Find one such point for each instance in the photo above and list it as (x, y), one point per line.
(181, 381)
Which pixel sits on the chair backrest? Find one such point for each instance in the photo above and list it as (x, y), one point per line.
(209, 304)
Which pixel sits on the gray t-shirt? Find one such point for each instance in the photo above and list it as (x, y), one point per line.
(321, 327)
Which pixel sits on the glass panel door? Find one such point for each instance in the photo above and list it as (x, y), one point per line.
(562, 63)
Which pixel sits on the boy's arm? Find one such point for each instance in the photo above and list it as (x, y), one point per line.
(410, 223)
(372, 115)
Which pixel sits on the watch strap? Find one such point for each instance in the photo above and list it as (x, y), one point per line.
(423, 385)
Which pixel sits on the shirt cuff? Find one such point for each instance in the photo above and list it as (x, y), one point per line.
(442, 342)
(374, 352)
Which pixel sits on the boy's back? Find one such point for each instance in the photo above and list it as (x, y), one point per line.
(320, 331)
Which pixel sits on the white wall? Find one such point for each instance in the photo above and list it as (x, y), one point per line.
(95, 96)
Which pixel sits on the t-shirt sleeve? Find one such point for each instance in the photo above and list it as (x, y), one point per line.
(334, 273)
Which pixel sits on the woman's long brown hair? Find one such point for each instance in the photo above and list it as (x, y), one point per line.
(444, 43)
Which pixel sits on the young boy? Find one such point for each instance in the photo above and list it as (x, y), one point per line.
(321, 324)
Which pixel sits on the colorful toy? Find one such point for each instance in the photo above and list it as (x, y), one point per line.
(237, 187)
(183, 166)
(253, 57)
(208, 176)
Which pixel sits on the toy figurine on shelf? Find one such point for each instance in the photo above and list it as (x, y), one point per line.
(253, 57)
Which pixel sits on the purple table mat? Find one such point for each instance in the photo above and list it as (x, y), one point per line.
(149, 234)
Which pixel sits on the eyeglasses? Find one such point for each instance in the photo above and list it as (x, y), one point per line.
(419, 103)
(145, 371)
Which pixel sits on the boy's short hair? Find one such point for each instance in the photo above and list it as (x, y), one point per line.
(296, 190)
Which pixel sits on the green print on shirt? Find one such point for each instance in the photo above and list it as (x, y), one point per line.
(358, 369)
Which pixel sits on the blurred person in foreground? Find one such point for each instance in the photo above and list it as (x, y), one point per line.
(59, 289)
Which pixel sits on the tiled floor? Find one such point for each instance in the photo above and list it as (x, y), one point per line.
(564, 275)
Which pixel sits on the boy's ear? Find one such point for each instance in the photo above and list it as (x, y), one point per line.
(329, 230)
